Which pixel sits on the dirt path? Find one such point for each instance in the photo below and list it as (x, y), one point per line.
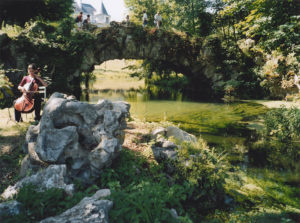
(11, 132)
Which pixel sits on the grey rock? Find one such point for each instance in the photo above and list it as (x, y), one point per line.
(180, 134)
(85, 136)
(169, 144)
(163, 153)
(10, 208)
(174, 214)
(51, 143)
(158, 131)
(89, 210)
(101, 194)
(31, 136)
(52, 177)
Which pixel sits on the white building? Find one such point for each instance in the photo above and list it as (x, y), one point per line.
(102, 18)
(98, 17)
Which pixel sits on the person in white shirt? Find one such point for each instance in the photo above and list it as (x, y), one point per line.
(127, 20)
(145, 18)
(157, 20)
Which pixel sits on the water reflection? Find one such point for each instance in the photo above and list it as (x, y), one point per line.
(219, 124)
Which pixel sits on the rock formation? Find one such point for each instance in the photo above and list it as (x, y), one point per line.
(163, 148)
(84, 137)
(89, 209)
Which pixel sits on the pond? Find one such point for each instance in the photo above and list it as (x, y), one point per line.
(229, 128)
(225, 126)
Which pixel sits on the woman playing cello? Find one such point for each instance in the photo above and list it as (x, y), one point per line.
(32, 81)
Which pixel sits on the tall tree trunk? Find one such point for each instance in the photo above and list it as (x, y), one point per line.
(234, 36)
(87, 86)
(193, 15)
(223, 30)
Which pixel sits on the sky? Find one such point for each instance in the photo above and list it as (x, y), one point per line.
(115, 8)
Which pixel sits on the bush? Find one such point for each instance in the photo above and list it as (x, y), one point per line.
(283, 123)
(37, 205)
(277, 146)
(6, 94)
(203, 172)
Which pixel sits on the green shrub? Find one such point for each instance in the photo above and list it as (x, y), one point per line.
(275, 154)
(38, 205)
(277, 145)
(6, 94)
(203, 172)
(143, 192)
(147, 202)
(283, 123)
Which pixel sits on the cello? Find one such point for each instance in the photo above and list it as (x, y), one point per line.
(25, 103)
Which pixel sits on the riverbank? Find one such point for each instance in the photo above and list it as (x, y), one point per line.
(254, 195)
(276, 104)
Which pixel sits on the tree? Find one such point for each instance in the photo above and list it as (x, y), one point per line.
(193, 17)
(6, 94)
(20, 11)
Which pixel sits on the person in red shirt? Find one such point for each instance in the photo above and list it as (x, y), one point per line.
(78, 20)
(32, 76)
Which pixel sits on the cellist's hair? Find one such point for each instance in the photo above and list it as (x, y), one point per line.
(33, 66)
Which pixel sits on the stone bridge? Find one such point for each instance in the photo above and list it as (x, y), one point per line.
(134, 42)
(195, 58)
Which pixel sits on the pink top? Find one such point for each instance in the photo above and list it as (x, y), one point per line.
(27, 79)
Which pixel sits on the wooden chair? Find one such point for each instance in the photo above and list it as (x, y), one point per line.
(43, 90)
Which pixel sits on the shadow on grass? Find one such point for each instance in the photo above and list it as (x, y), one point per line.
(11, 154)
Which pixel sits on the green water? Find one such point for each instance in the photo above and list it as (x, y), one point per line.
(220, 124)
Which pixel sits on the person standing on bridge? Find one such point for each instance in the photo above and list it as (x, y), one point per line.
(157, 20)
(127, 20)
(145, 19)
(78, 20)
(86, 23)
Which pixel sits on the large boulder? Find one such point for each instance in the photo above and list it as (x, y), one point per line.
(90, 209)
(9, 208)
(52, 177)
(85, 137)
(163, 148)
(180, 134)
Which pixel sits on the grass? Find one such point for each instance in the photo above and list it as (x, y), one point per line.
(261, 195)
(12, 137)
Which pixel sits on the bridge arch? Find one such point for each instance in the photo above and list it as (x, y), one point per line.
(176, 50)
(192, 58)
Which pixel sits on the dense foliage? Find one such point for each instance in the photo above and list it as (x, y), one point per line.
(201, 186)
(46, 44)
(19, 12)
(6, 94)
(258, 42)
(276, 145)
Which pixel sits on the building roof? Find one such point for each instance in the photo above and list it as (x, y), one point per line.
(87, 8)
(103, 9)
(76, 7)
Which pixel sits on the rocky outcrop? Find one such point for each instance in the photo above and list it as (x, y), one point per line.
(89, 209)
(163, 148)
(84, 137)
(9, 208)
(52, 177)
